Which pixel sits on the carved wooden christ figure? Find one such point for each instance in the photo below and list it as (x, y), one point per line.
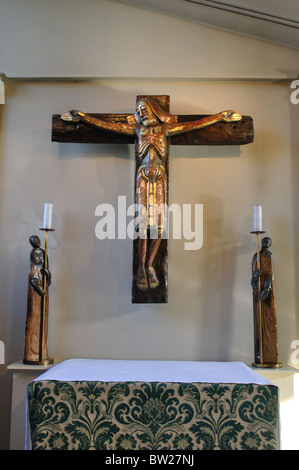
(264, 308)
(152, 128)
(37, 295)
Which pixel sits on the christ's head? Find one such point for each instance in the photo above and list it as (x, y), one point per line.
(145, 114)
(149, 113)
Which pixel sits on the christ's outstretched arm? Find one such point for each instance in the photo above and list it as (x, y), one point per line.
(117, 127)
(225, 116)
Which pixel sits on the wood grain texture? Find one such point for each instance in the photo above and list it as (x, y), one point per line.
(222, 133)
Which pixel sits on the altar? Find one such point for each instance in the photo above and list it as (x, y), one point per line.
(85, 404)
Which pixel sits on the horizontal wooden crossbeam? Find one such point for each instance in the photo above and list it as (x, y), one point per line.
(222, 133)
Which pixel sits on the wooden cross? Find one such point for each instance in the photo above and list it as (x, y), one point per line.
(152, 128)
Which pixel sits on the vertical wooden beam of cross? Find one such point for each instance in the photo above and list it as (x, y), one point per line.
(152, 128)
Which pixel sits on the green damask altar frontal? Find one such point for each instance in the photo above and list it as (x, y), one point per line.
(85, 414)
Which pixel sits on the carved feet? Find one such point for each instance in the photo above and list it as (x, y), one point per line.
(142, 279)
(149, 281)
(152, 278)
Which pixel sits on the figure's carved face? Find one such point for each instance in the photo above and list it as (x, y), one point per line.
(34, 241)
(266, 242)
(146, 115)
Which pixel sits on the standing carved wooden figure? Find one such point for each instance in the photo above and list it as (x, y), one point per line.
(37, 301)
(264, 308)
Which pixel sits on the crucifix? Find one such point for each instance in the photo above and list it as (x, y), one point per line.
(152, 129)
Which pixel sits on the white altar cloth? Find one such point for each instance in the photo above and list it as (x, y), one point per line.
(153, 371)
(86, 404)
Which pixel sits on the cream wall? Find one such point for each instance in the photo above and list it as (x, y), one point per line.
(209, 312)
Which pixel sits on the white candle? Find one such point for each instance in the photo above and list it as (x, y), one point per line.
(48, 215)
(257, 219)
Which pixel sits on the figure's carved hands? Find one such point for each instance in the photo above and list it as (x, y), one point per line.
(73, 115)
(37, 287)
(48, 275)
(230, 116)
(255, 278)
(266, 292)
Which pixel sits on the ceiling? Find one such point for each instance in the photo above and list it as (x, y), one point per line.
(271, 20)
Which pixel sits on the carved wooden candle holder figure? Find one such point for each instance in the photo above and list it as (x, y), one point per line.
(36, 334)
(264, 306)
(152, 128)
(37, 301)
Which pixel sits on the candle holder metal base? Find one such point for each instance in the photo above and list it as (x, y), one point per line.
(266, 365)
(42, 362)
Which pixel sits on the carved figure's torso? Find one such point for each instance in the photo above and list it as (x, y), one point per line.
(152, 144)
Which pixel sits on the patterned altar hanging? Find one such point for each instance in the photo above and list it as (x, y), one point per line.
(152, 415)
